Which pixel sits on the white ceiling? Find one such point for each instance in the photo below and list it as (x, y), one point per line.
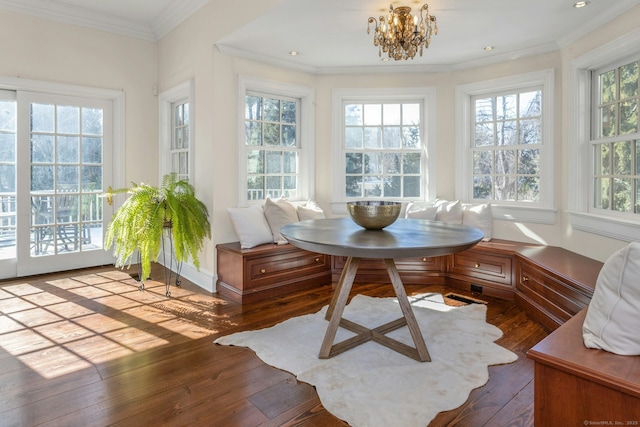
(331, 35)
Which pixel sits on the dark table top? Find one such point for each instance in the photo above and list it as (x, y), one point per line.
(405, 238)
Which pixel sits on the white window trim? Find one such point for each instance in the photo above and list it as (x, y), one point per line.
(426, 95)
(306, 132)
(117, 98)
(543, 212)
(579, 141)
(167, 98)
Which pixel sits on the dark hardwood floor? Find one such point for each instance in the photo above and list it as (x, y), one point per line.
(87, 348)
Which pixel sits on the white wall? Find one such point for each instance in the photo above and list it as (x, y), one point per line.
(39, 49)
(189, 52)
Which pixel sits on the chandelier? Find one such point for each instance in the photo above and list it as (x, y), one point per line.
(401, 35)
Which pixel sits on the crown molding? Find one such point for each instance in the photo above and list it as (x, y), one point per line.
(153, 31)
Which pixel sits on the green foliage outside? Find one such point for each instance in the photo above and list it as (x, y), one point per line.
(148, 211)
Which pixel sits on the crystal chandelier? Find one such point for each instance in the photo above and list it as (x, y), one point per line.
(401, 35)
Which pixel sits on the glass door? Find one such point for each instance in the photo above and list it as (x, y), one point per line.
(8, 212)
(64, 146)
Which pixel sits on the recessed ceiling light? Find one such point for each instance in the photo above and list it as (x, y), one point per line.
(488, 48)
(580, 4)
(293, 53)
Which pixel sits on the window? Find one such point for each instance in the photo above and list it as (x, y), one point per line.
(176, 128)
(604, 139)
(276, 143)
(383, 138)
(272, 146)
(505, 146)
(616, 140)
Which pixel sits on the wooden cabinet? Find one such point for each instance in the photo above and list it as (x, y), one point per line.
(246, 275)
(553, 284)
(483, 270)
(575, 385)
(412, 270)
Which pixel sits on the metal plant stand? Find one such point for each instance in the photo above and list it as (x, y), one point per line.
(168, 270)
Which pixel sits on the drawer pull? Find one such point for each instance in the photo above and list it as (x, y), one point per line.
(262, 270)
(424, 259)
(525, 279)
(318, 259)
(477, 265)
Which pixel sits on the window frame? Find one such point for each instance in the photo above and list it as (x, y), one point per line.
(542, 212)
(426, 96)
(305, 133)
(184, 92)
(581, 216)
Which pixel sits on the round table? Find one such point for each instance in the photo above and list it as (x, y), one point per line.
(405, 238)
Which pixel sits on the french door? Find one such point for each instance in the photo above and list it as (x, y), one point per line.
(51, 181)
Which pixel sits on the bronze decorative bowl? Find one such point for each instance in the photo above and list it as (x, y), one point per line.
(374, 215)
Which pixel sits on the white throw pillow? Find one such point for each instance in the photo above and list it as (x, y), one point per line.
(420, 211)
(449, 212)
(310, 211)
(279, 213)
(479, 216)
(613, 314)
(250, 226)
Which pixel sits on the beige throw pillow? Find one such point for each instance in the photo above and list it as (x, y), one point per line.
(278, 214)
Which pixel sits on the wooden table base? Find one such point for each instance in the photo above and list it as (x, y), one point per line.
(336, 309)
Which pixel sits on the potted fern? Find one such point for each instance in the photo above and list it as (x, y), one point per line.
(147, 213)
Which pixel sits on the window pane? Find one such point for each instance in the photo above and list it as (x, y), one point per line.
(42, 118)
(288, 136)
(372, 186)
(68, 119)
(506, 133)
(411, 186)
(7, 147)
(391, 114)
(92, 121)
(411, 114)
(628, 117)
(253, 108)
(622, 158)
(506, 107)
(372, 138)
(392, 186)
(42, 178)
(353, 186)
(505, 188)
(372, 163)
(608, 87)
(8, 116)
(255, 161)
(42, 149)
(505, 161)
(353, 114)
(601, 195)
(531, 131)
(391, 137)
(67, 178)
(290, 162)
(484, 134)
(274, 162)
(353, 163)
(253, 133)
(271, 134)
(529, 162)
(482, 187)
(482, 162)
(255, 186)
(622, 192)
(372, 114)
(608, 120)
(92, 178)
(484, 110)
(391, 162)
(67, 149)
(411, 163)
(271, 110)
(529, 188)
(411, 137)
(629, 80)
(7, 180)
(91, 150)
(288, 112)
(531, 104)
(353, 137)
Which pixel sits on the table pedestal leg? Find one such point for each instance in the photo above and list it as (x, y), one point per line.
(336, 309)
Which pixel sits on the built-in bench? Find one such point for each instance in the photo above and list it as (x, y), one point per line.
(552, 284)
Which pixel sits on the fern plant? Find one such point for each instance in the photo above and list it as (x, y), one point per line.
(145, 215)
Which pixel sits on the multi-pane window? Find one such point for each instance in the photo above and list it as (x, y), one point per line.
(616, 139)
(272, 146)
(7, 177)
(507, 146)
(383, 150)
(180, 146)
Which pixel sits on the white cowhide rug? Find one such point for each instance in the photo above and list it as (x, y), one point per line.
(371, 385)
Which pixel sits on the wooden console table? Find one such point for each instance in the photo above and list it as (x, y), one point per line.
(578, 386)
